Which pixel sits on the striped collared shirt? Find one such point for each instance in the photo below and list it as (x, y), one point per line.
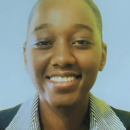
(102, 117)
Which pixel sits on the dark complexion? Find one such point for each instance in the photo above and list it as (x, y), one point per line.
(64, 41)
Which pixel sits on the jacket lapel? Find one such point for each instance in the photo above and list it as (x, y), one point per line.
(26, 117)
(102, 117)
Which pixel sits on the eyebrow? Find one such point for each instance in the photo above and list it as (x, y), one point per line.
(42, 26)
(83, 26)
(78, 26)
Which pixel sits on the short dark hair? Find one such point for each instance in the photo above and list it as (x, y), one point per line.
(97, 14)
(89, 2)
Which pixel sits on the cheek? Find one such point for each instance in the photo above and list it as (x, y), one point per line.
(88, 60)
(38, 60)
(89, 64)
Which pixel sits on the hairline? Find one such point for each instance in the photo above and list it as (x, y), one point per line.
(92, 5)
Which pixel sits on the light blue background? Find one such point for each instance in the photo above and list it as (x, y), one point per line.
(112, 85)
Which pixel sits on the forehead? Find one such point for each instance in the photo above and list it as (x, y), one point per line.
(63, 14)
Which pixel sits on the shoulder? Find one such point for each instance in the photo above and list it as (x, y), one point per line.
(7, 115)
(124, 116)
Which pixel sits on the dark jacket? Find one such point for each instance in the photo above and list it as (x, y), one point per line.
(7, 115)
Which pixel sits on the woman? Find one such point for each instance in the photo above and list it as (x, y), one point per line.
(63, 53)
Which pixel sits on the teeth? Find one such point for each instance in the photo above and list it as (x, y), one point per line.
(64, 79)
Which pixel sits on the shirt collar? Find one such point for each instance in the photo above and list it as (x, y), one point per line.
(102, 117)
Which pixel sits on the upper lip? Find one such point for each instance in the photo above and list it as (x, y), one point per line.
(63, 74)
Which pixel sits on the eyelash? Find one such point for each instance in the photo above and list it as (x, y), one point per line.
(79, 41)
(43, 42)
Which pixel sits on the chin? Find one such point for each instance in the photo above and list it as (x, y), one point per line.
(63, 101)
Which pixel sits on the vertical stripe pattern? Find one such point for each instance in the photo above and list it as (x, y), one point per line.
(102, 117)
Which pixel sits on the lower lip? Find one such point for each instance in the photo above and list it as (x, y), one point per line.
(62, 86)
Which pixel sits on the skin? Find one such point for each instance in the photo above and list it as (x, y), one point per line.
(63, 53)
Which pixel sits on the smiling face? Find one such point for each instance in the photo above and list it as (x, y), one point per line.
(64, 51)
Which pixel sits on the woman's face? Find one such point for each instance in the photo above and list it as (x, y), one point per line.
(64, 51)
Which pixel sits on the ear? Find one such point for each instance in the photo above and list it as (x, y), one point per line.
(104, 56)
(25, 58)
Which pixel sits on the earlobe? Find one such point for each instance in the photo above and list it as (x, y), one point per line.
(25, 59)
(104, 57)
(101, 66)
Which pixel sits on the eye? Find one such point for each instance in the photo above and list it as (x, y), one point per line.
(43, 43)
(82, 42)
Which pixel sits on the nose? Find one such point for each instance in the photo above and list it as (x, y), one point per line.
(62, 56)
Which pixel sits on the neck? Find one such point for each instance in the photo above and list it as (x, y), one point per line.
(74, 117)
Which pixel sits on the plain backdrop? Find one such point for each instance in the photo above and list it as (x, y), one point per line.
(112, 85)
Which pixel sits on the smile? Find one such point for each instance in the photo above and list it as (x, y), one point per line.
(64, 82)
(64, 79)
